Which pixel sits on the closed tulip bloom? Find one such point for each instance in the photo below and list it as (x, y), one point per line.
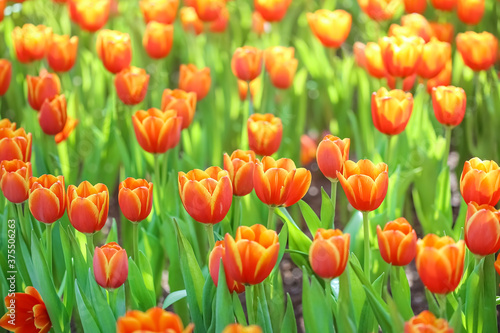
(182, 102)
(440, 263)
(246, 63)
(470, 11)
(114, 49)
(329, 253)
(330, 27)
(132, 85)
(52, 116)
(195, 80)
(401, 55)
(209, 10)
(157, 131)
(14, 180)
(158, 39)
(443, 31)
(258, 23)
(435, 55)
(91, 15)
(135, 197)
(397, 242)
(220, 23)
(442, 79)
(237, 328)
(252, 254)
(264, 133)
(71, 124)
(359, 54)
(445, 5)
(418, 24)
(426, 322)
(47, 199)
(40, 88)
(190, 20)
(206, 195)
(331, 155)
(379, 10)
(161, 11)
(5, 75)
(449, 105)
(155, 320)
(31, 42)
(482, 229)
(391, 110)
(279, 183)
(281, 65)
(62, 52)
(415, 6)
(110, 265)
(15, 144)
(364, 183)
(374, 63)
(240, 167)
(308, 149)
(272, 10)
(478, 50)
(399, 30)
(480, 182)
(88, 206)
(218, 253)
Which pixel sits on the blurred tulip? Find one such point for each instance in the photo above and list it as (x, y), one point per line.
(195, 80)
(397, 242)
(206, 195)
(52, 116)
(391, 110)
(5, 75)
(47, 199)
(62, 52)
(264, 133)
(5, 123)
(237, 328)
(379, 10)
(132, 85)
(247, 63)
(218, 253)
(408, 82)
(14, 180)
(158, 39)
(449, 105)
(445, 5)
(15, 144)
(482, 229)
(308, 148)
(252, 254)
(114, 49)
(220, 23)
(3, 4)
(190, 20)
(401, 55)
(240, 167)
(329, 253)
(46, 86)
(478, 50)
(279, 183)
(364, 183)
(209, 10)
(440, 263)
(258, 23)
(399, 30)
(71, 124)
(281, 65)
(161, 11)
(272, 10)
(442, 79)
(155, 320)
(88, 206)
(135, 197)
(480, 182)
(331, 155)
(415, 6)
(182, 102)
(110, 265)
(426, 322)
(443, 31)
(435, 55)
(470, 11)
(330, 27)
(157, 131)
(31, 42)
(418, 24)
(91, 15)
(243, 88)
(374, 63)
(359, 54)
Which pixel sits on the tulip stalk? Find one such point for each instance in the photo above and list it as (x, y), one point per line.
(48, 239)
(24, 233)
(135, 241)
(236, 212)
(366, 233)
(249, 297)
(448, 130)
(210, 233)
(271, 219)
(90, 244)
(441, 299)
(333, 198)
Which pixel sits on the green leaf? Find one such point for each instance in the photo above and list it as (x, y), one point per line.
(174, 297)
(238, 310)
(263, 317)
(400, 290)
(490, 285)
(138, 289)
(112, 235)
(312, 220)
(431, 301)
(223, 302)
(147, 276)
(456, 319)
(209, 291)
(317, 315)
(326, 210)
(297, 240)
(282, 239)
(345, 322)
(396, 320)
(289, 324)
(474, 292)
(103, 313)
(86, 311)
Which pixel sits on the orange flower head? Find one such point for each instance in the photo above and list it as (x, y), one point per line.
(379, 10)
(237, 328)
(155, 320)
(478, 50)
(14, 180)
(258, 23)
(52, 116)
(220, 23)
(40, 88)
(281, 65)
(206, 195)
(329, 253)
(62, 52)
(90, 15)
(88, 206)
(427, 322)
(47, 198)
(246, 63)
(110, 265)
(374, 63)
(445, 5)
(132, 85)
(397, 242)
(161, 11)
(308, 149)
(3, 4)
(331, 155)
(440, 263)
(415, 6)
(470, 11)
(330, 27)
(272, 10)
(480, 182)
(158, 39)
(243, 88)
(114, 49)
(442, 79)
(364, 183)
(190, 20)
(135, 197)
(264, 133)
(391, 110)
(15, 144)
(435, 55)
(31, 42)
(219, 253)
(157, 131)
(240, 167)
(418, 24)
(359, 54)
(401, 55)
(252, 254)
(449, 105)
(209, 10)
(279, 183)
(71, 124)
(182, 102)
(482, 229)
(443, 31)
(195, 80)
(5, 75)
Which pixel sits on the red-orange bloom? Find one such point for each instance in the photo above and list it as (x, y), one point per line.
(47, 200)
(135, 197)
(110, 265)
(31, 42)
(206, 195)
(391, 110)
(374, 63)
(162, 11)
(88, 206)
(308, 148)
(281, 65)
(52, 116)
(359, 54)
(237, 328)
(209, 10)
(132, 85)
(14, 180)
(67, 130)
(246, 63)
(220, 23)
(426, 322)
(482, 229)
(442, 79)
(415, 6)
(435, 55)
(418, 24)
(243, 88)
(379, 10)
(329, 253)
(240, 167)
(114, 49)
(157, 131)
(3, 4)
(252, 254)
(218, 253)
(258, 23)
(478, 50)
(364, 183)
(29, 311)
(62, 52)
(155, 320)
(14, 144)
(443, 31)
(272, 10)
(446, 5)
(279, 183)
(182, 102)
(470, 11)
(40, 88)
(158, 39)
(190, 20)
(440, 263)
(5, 75)
(195, 80)
(90, 15)
(330, 27)
(480, 182)
(449, 105)
(397, 242)
(401, 55)
(331, 155)
(264, 133)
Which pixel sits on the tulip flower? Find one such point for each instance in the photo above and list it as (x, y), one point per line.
(252, 254)
(264, 133)
(330, 27)
(3, 4)
(88, 206)
(391, 110)
(443, 31)
(408, 82)
(478, 50)
(90, 15)
(359, 54)
(190, 20)
(445, 5)
(258, 23)
(30, 312)
(281, 65)
(14, 180)
(195, 80)
(114, 49)
(47, 198)
(157, 131)
(482, 229)
(442, 79)
(401, 55)
(135, 197)
(427, 322)
(132, 85)
(209, 10)
(272, 10)
(279, 183)
(182, 102)
(243, 88)
(40, 88)
(240, 167)
(62, 52)
(15, 144)
(158, 39)
(220, 23)
(399, 30)
(497, 264)
(397, 242)
(237, 328)
(415, 6)
(71, 124)
(246, 63)
(440, 263)
(374, 63)
(329, 253)
(206, 195)
(379, 10)
(5, 75)
(52, 116)
(218, 253)
(449, 105)
(161, 11)
(435, 55)
(308, 149)
(470, 11)
(31, 42)
(331, 155)
(110, 265)
(153, 320)
(418, 24)
(480, 182)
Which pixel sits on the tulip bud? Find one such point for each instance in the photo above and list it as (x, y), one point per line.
(308, 148)
(62, 52)
(14, 144)
(435, 55)
(258, 23)
(190, 21)
(331, 155)
(161, 11)
(158, 39)
(110, 265)
(240, 167)
(31, 42)
(52, 116)
(40, 88)
(209, 10)
(47, 198)
(415, 6)
(157, 131)
(442, 79)
(443, 31)
(243, 88)
(218, 253)
(272, 11)
(237, 328)
(246, 63)
(90, 15)
(264, 133)
(391, 110)
(478, 50)
(281, 65)
(5, 75)
(374, 63)
(135, 197)
(480, 182)
(418, 24)
(445, 5)
(220, 23)
(195, 80)
(427, 322)
(470, 11)
(14, 180)
(132, 85)
(329, 253)
(330, 27)
(359, 54)
(88, 206)
(3, 4)
(397, 242)
(182, 102)
(449, 105)
(401, 55)
(379, 10)
(114, 49)
(482, 229)
(155, 319)
(67, 130)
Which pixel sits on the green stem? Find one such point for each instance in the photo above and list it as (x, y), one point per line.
(22, 221)
(90, 244)
(250, 102)
(400, 83)
(271, 221)
(333, 198)
(156, 184)
(328, 287)
(249, 297)
(236, 212)
(135, 241)
(448, 130)
(210, 234)
(388, 150)
(48, 235)
(366, 232)
(441, 299)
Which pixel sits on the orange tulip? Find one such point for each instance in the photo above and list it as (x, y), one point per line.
(478, 50)
(443, 31)
(40, 88)
(71, 124)
(281, 65)
(480, 182)
(258, 23)
(206, 195)
(264, 133)
(308, 148)
(155, 320)
(364, 183)
(240, 167)
(272, 10)
(435, 55)
(401, 55)
(3, 4)
(329, 253)
(209, 10)
(427, 322)
(195, 80)
(132, 85)
(52, 116)
(252, 254)
(397, 242)
(158, 39)
(415, 6)
(279, 183)
(237, 328)
(90, 15)
(243, 88)
(379, 10)
(418, 24)
(440, 263)
(31, 42)
(110, 265)
(114, 49)
(374, 63)
(391, 110)
(449, 105)
(330, 27)
(157, 131)
(161, 11)
(220, 23)
(88, 206)
(5, 75)
(442, 79)
(62, 52)
(15, 144)
(470, 11)
(482, 229)
(190, 20)
(29, 313)
(399, 30)
(182, 102)
(446, 5)
(246, 63)
(47, 199)
(14, 180)
(218, 253)
(135, 197)
(331, 155)
(359, 54)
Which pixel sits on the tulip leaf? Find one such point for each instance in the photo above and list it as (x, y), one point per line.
(345, 312)
(326, 211)
(312, 220)
(69, 287)
(289, 323)
(103, 313)
(147, 275)
(263, 317)
(397, 321)
(140, 293)
(282, 239)
(275, 299)
(400, 291)
(317, 315)
(238, 310)
(431, 301)
(456, 319)
(208, 298)
(86, 311)
(223, 303)
(489, 317)
(297, 240)
(174, 297)
(112, 235)
(79, 262)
